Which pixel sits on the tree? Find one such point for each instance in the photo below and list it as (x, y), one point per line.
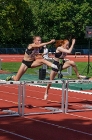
(16, 21)
(22, 19)
(60, 18)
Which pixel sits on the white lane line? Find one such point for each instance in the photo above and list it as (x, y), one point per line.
(63, 126)
(58, 126)
(9, 101)
(15, 134)
(52, 93)
(77, 91)
(79, 116)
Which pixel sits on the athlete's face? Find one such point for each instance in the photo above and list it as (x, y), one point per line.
(37, 40)
(66, 45)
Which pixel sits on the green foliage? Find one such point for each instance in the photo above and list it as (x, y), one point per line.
(22, 19)
(15, 20)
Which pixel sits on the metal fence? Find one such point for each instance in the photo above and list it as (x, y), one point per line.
(20, 49)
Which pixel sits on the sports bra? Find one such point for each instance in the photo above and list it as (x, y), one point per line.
(60, 55)
(57, 55)
(29, 51)
(32, 52)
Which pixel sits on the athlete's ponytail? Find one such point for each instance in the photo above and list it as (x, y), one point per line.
(60, 42)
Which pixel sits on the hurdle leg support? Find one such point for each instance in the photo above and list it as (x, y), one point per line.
(11, 113)
(50, 110)
(66, 97)
(82, 108)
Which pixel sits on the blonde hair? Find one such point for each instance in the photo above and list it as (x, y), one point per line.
(60, 42)
(36, 37)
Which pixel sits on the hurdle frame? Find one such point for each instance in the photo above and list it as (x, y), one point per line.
(77, 53)
(51, 109)
(66, 97)
(11, 113)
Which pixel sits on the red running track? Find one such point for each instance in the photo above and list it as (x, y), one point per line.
(18, 58)
(70, 126)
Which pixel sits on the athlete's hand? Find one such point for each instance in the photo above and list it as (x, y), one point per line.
(73, 41)
(52, 41)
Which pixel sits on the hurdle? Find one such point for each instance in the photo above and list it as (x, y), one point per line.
(49, 110)
(86, 107)
(77, 53)
(12, 113)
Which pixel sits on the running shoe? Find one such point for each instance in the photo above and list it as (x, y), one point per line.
(45, 96)
(9, 78)
(87, 78)
(81, 77)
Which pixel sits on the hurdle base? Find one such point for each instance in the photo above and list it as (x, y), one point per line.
(52, 109)
(77, 110)
(14, 115)
(88, 106)
(10, 113)
(42, 113)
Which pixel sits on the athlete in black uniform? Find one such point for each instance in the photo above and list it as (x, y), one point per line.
(30, 61)
(61, 51)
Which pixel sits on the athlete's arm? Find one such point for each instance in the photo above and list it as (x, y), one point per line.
(61, 49)
(42, 44)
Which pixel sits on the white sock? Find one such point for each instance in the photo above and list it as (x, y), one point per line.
(12, 77)
(54, 66)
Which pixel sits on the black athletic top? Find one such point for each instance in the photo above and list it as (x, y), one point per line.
(32, 52)
(29, 51)
(60, 55)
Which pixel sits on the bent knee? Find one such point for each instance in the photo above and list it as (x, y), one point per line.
(72, 63)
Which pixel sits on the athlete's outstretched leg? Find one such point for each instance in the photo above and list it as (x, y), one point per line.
(40, 62)
(72, 63)
(19, 74)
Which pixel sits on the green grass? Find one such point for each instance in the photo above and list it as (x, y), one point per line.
(14, 66)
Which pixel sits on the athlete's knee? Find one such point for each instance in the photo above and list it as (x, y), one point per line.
(72, 63)
(42, 60)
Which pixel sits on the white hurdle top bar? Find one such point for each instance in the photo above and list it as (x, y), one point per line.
(79, 81)
(32, 82)
(10, 82)
(45, 82)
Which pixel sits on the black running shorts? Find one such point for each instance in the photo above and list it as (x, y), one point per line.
(57, 64)
(27, 63)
